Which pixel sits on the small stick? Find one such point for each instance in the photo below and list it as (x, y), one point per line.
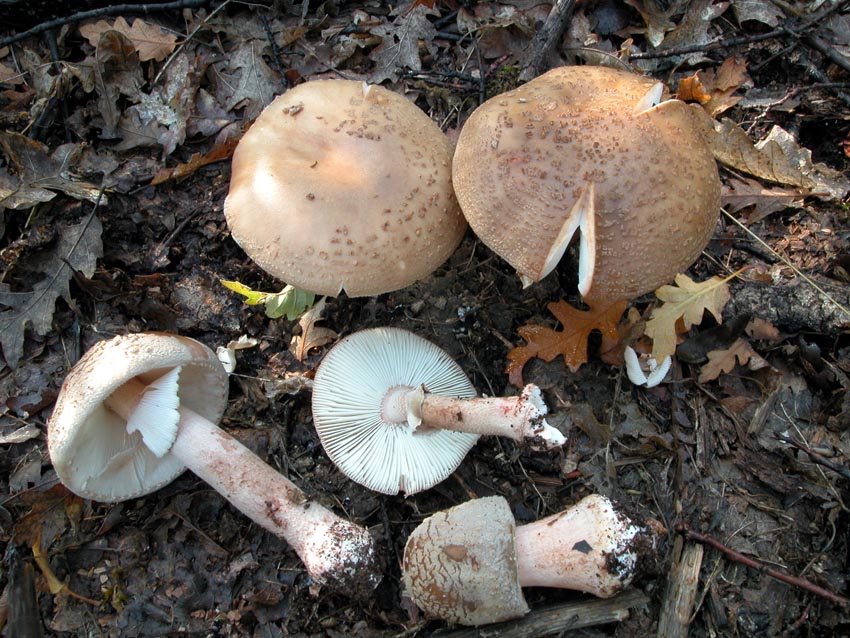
(738, 557)
(815, 457)
(681, 594)
(560, 618)
(546, 39)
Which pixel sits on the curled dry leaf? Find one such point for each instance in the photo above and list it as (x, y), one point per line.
(762, 201)
(715, 88)
(312, 336)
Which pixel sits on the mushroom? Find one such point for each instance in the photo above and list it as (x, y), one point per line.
(340, 185)
(589, 149)
(137, 410)
(395, 413)
(467, 564)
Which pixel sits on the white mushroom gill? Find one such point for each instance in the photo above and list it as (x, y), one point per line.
(638, 375)
(156, 415)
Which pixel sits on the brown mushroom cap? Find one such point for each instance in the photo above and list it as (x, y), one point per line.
(571, 138)
(460, 564)
(342, 185)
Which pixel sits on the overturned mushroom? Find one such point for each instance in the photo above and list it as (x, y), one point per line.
(396, 413)
(593, 150)
(137, 410)
(468, 564)
(341, 185)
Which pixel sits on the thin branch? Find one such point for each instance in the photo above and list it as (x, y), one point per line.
(815, 457)
(115, 9)
(547, 38)
(738, 557)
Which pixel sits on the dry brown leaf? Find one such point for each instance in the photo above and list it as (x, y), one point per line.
(312, 336)
(739, 194)
(762, 330)
(777, 158)
(570, 341)
(221, 152)
(151, 41)
(686, 301)
(720, 361)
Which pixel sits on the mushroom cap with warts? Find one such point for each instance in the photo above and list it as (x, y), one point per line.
(340, 185)
(589, 149)
(460, 564)
(90, 448)
(358, 428)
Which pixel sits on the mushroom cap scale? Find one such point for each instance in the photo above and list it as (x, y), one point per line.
(350, 413)
(90, 448)
(460, 564)
(525, 159)
(339, 185)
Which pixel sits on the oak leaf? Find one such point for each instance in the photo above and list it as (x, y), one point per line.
(687, 301)
(720, 361)
(151, 41)
(570, 342)
(218, 153)
(763, 201)
(312, 336)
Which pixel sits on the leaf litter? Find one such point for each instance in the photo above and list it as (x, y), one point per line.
(153, 109)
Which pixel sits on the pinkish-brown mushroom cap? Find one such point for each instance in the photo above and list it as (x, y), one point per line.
(588, 140)
(460, 564)
(90, 448)
(340, 185)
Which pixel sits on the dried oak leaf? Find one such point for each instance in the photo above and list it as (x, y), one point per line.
(571, 341)
(312, 336)
(777, 158)
(38, 175)
(401, 42)
(687, 301)
(77, 249)
(151, 41)
(762, 201)
(218, 153)
(720, 361)
(715, 88)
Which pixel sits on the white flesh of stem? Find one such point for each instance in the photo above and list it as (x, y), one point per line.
(582, 218)
(650, 99)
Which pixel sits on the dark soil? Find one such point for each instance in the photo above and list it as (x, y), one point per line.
(714, 456)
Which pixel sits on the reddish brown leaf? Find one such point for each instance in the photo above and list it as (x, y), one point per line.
(570, 342)
(221, 152)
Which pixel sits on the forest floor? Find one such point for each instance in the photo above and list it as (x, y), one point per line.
(747, 442)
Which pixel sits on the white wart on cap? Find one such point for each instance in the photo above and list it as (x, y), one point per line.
(340, 185)
(353, 416)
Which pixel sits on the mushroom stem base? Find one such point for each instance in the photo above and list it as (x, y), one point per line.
(518, 417)
(335, 551)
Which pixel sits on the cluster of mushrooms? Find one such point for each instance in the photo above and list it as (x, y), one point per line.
(363, 193)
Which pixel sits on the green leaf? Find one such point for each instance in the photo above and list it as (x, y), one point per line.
(290, 302)
(252, 297)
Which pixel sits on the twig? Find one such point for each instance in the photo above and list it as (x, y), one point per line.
(738, 557)
(815, 457)
(546, 39)
(115, 9)
(559, 618)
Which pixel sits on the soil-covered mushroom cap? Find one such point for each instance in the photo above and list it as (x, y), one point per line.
(340, 185)
(91, 450)
(460, 564)
(589, 148)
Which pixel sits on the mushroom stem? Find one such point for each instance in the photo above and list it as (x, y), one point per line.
(516, 417)
(589, 547)
(335, 551)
